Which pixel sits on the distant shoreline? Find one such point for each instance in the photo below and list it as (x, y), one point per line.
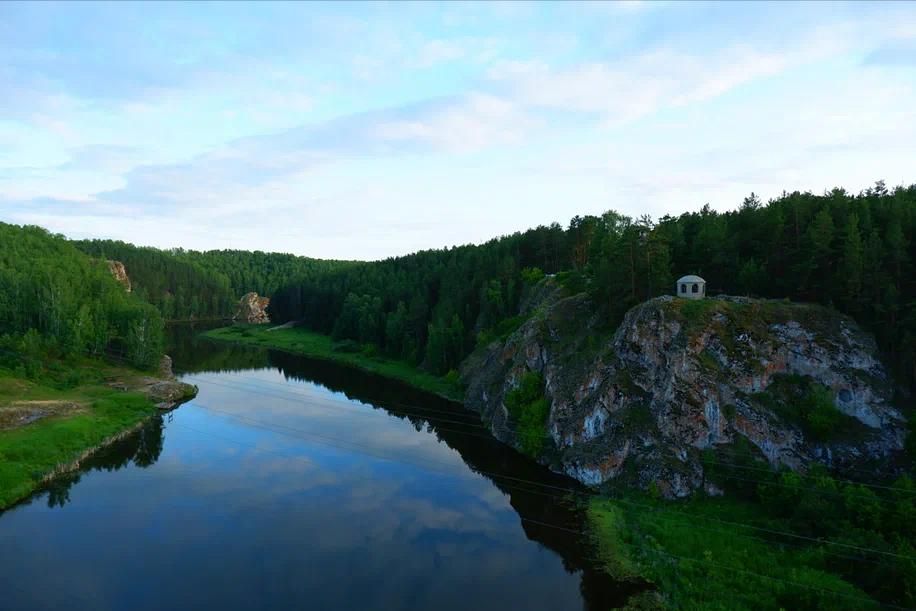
(297, 340)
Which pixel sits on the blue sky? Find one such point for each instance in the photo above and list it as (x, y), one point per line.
(369, 130)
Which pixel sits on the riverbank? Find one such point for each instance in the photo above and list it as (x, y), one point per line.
(297, 340)
(704, 551)
(50, 423)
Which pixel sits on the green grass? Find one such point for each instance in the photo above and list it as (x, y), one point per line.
(29, 453)
(315, 345)
(700, 564)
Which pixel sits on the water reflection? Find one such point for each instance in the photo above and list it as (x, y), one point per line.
(296, 483)
(192, 353)
(140, 448)
(549, 505)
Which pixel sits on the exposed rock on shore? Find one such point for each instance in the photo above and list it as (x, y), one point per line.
(163, 389)
(796, 384)
(252, 309)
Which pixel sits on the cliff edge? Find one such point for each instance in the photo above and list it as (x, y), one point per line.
(252, 309)
(796, 384)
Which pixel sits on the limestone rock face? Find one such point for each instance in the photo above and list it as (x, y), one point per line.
(119, 272)
(677, 378)
(252, 309)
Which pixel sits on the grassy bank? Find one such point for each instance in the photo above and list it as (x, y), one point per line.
(850, 552)
(704, 564)
(79, 413)
(314, 345)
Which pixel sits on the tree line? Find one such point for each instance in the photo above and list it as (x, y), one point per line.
(56, 301)
(191, 285)
(854, 252)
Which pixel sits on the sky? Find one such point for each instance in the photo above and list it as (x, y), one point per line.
(368, 130)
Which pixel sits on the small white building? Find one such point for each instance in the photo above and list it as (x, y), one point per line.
(691, 287)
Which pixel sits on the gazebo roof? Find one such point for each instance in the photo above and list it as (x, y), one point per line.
(691, 278)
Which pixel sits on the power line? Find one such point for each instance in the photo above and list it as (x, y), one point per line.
(361, 449)
(504, 428)
(489, 438)
(288, 392)
(519, 488)
(668, 554)
(554, 496)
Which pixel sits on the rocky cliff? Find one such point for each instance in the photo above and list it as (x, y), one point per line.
(795, 384)
(252, 309)
(119, 272)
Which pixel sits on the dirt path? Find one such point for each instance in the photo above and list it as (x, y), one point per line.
(20, 413)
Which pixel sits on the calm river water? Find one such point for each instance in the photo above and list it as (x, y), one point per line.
(295, 484)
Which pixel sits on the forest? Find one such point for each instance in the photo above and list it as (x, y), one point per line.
(191, 285)
(850, 251)
(58, 302)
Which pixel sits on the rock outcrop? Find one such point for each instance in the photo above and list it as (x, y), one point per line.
(166, 391)
(252, 309)
(677, 378)
(119, 272)
(163, 389)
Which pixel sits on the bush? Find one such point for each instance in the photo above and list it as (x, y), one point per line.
(532, 275)
(820, 412)
(572, 281)
(530, 409)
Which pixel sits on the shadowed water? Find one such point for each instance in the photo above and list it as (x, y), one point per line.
(292, 483)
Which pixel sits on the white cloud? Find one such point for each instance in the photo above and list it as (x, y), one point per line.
(480, 121)
(591, 115)
(634, 86)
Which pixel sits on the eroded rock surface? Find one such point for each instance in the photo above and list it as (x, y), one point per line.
(119, 272)
(164, 389)
(675, 379)
(252, 309)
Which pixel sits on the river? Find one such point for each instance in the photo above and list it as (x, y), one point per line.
(290, 483)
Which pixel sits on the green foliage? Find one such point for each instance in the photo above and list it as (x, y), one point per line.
(708, 360)
(820, 413)
(572, 281)
(501, 331)
(188, 285)
(701, 564)
(810, 405)
(60, 302)
(347, 345)
(697, 312)
(29, 453)
(299, 340)
(529, 408)
(532, 275)
(854, 252)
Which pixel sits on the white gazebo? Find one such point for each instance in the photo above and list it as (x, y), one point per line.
(691, 287)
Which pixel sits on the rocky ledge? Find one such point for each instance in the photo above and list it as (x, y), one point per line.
(795, 384)
(163, 389)
(252, 309)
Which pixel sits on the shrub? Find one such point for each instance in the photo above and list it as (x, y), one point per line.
(820, 412)
(530, 409)
(532, 275)
(572, 281)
